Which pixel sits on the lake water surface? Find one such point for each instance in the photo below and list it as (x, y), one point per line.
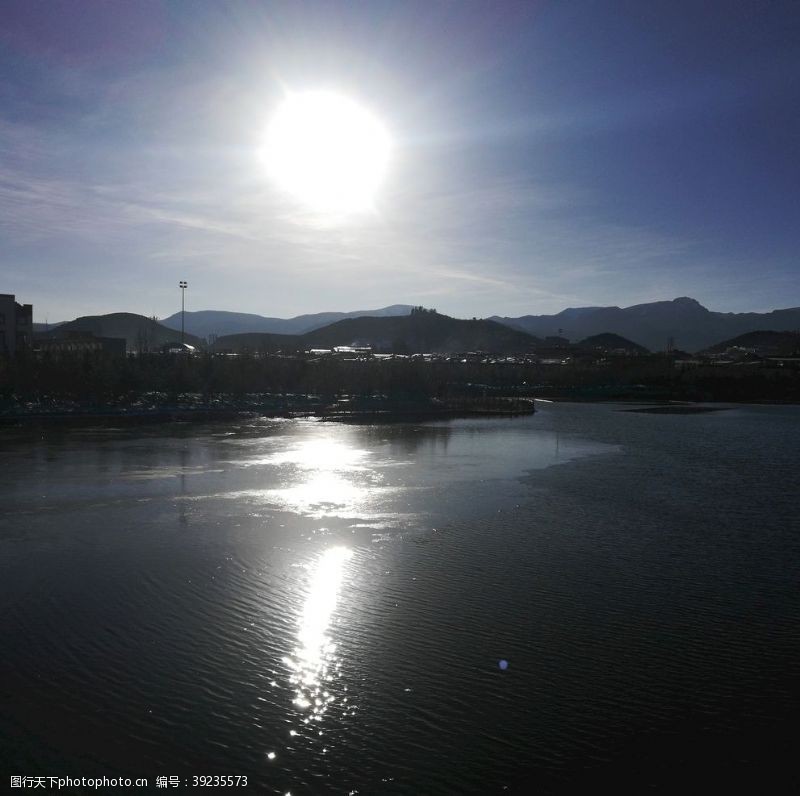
(324, 608)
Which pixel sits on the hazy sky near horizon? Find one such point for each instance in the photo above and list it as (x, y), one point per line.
(545, 155)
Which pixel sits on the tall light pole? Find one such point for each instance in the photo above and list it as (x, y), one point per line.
(183, 285)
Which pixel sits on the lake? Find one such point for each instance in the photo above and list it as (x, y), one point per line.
(580, 598)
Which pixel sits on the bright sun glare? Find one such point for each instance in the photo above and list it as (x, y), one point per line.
(327, 151)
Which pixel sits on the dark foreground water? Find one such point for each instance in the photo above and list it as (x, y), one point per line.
(323, 608)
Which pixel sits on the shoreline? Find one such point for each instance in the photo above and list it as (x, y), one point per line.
(667, 402)
(408, 412)
(397, 413)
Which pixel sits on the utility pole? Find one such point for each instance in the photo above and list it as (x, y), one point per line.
(183, 285)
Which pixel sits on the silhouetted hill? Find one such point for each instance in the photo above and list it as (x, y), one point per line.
(259, 342)
(690, 325)
(219, 322)
(140, 333)
(612, 342)
(423, 333)
(765, 343)
(418, 333)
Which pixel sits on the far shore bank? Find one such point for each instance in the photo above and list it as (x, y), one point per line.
(656, 402)
(347, 410)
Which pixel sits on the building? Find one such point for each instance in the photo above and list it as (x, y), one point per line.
(16, 325)
(79, 342)
(179, 348)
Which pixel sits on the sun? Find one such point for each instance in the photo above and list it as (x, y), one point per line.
(327, 151)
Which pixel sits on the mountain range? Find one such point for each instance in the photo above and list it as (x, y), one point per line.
(683, 321)
(204, 323)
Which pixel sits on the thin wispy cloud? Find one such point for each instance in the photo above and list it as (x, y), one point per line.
(521, 179)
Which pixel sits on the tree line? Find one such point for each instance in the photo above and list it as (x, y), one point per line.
(96, 378)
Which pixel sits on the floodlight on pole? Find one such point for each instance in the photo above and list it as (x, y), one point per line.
(183, 285)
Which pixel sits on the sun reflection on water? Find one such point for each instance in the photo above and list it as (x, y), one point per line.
(321, 494)
(321, 454)
(325, 476)
(314, 664)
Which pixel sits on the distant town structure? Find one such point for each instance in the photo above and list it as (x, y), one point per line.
(81, 342)
(179, 348)
(16, 324)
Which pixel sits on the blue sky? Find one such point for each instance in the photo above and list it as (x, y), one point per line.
(545, 155)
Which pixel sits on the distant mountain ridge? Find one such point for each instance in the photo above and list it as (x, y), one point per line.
(427, 332)
(219, 322)
(684, 321)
